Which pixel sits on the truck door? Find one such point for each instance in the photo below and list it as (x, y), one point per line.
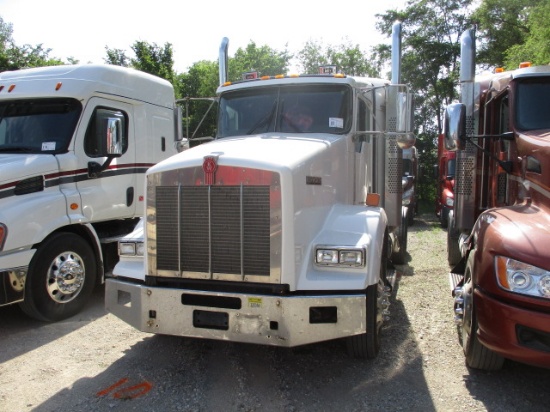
(110, 195)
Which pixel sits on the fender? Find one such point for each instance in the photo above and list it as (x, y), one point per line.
(351, 226)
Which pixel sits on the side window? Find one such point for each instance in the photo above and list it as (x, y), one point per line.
(95, 138)
(504, 116)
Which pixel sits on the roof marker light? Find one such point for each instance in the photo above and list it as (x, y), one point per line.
(499, 70)
(523, 65)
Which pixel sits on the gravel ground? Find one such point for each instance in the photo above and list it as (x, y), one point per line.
(95, 362)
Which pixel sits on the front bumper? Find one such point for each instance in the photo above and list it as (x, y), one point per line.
(13, 274)
(270, 320)
(515, 333)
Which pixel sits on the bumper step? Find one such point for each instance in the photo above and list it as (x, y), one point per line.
(455, 279)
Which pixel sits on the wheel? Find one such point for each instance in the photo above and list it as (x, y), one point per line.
(410, 215)
(400, 257)
(61, 278)
(367, 345)
(453, 248)
(444, 217)
(477, 355)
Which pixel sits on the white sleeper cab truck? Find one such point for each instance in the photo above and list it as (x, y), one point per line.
(278, 231)
(75, 142)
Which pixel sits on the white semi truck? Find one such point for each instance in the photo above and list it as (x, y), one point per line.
(75, 142)
(281, 229)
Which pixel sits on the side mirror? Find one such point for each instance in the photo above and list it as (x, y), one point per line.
(455, 127)
(109, 134)
(114, 137)
(404, 115)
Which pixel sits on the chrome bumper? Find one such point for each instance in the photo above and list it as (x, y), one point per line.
(270, 320)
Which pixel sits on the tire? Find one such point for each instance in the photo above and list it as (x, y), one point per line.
(61, 278)
(400, 257)
(410, 215)
(477, 355)
(444, 217)
(453, 248)
(367, 345)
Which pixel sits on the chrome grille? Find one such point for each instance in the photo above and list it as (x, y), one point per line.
(213, 229)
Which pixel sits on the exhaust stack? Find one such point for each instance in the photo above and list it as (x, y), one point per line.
(223, 60)
(396, 53)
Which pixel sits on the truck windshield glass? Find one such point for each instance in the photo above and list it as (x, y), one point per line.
(288, 109)
(38, 126)
(533, 105)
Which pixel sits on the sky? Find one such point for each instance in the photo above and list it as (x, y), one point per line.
(82, 29)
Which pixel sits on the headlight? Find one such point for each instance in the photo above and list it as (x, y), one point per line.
(339, 256)
(522, 278)
(130, 248)
(449, 201)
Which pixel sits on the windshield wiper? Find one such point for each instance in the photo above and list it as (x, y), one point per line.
(265, 120)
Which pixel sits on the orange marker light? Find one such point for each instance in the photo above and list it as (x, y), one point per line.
(74, 206)
(11, 88)
(373, 199)
(523, 65)
(58, 86)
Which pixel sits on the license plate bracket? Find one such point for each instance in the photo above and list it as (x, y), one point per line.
(210, 320)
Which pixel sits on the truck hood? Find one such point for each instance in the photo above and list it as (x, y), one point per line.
(272, 151)
(17, 167)
(526, 230)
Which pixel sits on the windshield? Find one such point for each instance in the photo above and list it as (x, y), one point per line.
(533, 105)
(288, 109)
(37, 126)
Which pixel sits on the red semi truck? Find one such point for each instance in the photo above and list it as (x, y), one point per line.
(501, 218)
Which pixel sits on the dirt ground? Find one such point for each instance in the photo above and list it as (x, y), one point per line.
(95, 362)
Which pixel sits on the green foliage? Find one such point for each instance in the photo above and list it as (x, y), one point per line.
(154, 59)
(347, 58)
(431, 33)
(265, 60)
(13, 57)
(116, 57)
(536, 47)
(501, 25)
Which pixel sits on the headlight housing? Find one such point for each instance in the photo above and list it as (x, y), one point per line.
(130, 248)
(340, 256)
(522, 278)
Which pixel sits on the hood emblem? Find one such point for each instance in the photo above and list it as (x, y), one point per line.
(209, 166)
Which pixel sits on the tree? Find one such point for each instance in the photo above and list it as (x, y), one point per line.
(153, 59)
(347, 58)
(431, 33)
(116, 57)
(501, 25)
(536, 47)
(265, 60)
(13, 57)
